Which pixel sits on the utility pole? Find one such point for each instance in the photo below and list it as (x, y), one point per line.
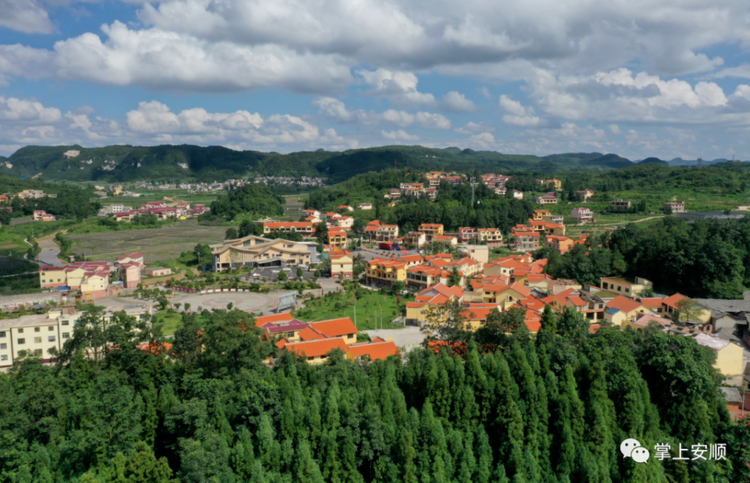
(473, 183)
(355, 314)
(381, 316)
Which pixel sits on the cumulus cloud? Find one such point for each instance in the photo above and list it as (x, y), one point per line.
(398, 87)
(29, 122)
(457, 102)
(25, 16)
(474, 127)
(517, 114)
(175, 61)
(336, 110)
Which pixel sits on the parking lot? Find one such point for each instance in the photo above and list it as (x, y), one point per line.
(272, 274)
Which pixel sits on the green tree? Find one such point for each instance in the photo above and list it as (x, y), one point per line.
(231, 234)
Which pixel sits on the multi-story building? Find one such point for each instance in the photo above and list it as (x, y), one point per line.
(415, 238)
(431, 230)
(517, 194)
(548, 199)
(91, 278)
(304, 228)
(387, 233)
(526, 241)
(41, 215)
(540, 214)
(583, 215)
(342, 264)
(674, 207)
(337, 238)
(385, 271)
(255, 251)
(560, 244)
(429, 302)
(586, 194)
(365, 206)
(626, 287)
(620, 205)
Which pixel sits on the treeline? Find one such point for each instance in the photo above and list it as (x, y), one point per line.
(490, 213)
(550, 409)
(72, 202)
(707, 258)
(253, 198)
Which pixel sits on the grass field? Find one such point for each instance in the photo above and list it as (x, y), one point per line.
(172, 322)
(157, 244)
(12, 237)
(342, 305)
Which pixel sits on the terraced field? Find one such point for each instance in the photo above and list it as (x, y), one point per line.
(157, 245)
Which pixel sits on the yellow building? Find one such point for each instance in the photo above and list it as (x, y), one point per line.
(689, 309)
(255, 251)
(337, 238)
(431, 230)
(385, 271)
(621, 309)
(626, 287)
(729, 356)
(342, 264)
(429, 301)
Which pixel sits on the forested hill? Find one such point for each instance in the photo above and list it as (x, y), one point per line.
(177, 163)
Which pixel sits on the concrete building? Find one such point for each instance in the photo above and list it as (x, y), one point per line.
(255, 251)
(304, 228)
(431, 230)
(415, 238)
(342, 264)
(729, 356)
(674, 207)
(626, 287)
(337, 238)
(158, 271)
(582, 215)
(548, 199)
(620, 205)
(526, 241)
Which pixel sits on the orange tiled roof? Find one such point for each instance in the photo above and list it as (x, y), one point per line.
(673, 300)
(335, 327)
(623, 303)
(376, 350)
(263, 320)
(316, 348)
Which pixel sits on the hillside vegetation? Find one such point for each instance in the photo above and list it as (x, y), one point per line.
(180, 163)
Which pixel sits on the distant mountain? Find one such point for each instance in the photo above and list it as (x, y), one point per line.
(653, 161)
(125, 163)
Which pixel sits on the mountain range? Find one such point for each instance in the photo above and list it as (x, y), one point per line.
(124, 163)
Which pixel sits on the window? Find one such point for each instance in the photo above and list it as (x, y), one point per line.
(2, 334)
(20, 331)
(51, 328)
(51, 338)
(21, 341)
(37, 352)
(66, 335)
(37, 329)
(37, 340)
(65, 322)
(3, 346)
(3, 358)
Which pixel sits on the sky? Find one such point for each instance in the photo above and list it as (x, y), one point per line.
(640, 78)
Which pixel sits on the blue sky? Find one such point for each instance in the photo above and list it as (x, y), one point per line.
(639, 78)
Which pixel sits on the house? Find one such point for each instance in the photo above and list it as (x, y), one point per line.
(343, 328)
(431, 230)
(620, 205)
(643, 321)
(689, 309)
(480, 253)
(158, 271)
(316, 351)
(342, 264)
(415, 238)
(517, 194)
(526, 241)
(738, 404)
(558, 243)
(429, 301)
(345, 208)
(289, 329)
(136, 257)
(558, 219)
(264, 319)
(345, 222)
(423, 276)
(540, 214)
(627, 287)
(41, 215)
(445, 239)
(304, 228)
(255, 251)
(729, 356)
(548, 199)
(387, 233)
(586, 194)
(582, 215)
(674, 207)
(385, 271)
(73, 275)
(337, 238)
(365, 206)
(377, 349)
(129, 273)
(492, 237)
(620, 309)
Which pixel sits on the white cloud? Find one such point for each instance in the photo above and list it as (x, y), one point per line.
(399, 136)
(456, 102)
(399, 88)
(614, 129)
(517, 114)
(25, 16)
(177, 62)
(27, 111)
(474, 127)
(336, 110)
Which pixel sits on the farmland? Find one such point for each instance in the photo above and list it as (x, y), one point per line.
(157, 244)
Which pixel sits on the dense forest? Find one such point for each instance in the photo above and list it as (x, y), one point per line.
(71, 201)
(548, 409)
(706, 258)
(253, 198)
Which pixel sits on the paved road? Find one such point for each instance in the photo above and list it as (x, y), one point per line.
(49, 253)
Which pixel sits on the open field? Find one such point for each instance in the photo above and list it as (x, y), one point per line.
(342, 304)
(157, 245)
(204, 198)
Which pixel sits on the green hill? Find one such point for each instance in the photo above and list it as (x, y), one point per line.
(654, 161)
(186, 162)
